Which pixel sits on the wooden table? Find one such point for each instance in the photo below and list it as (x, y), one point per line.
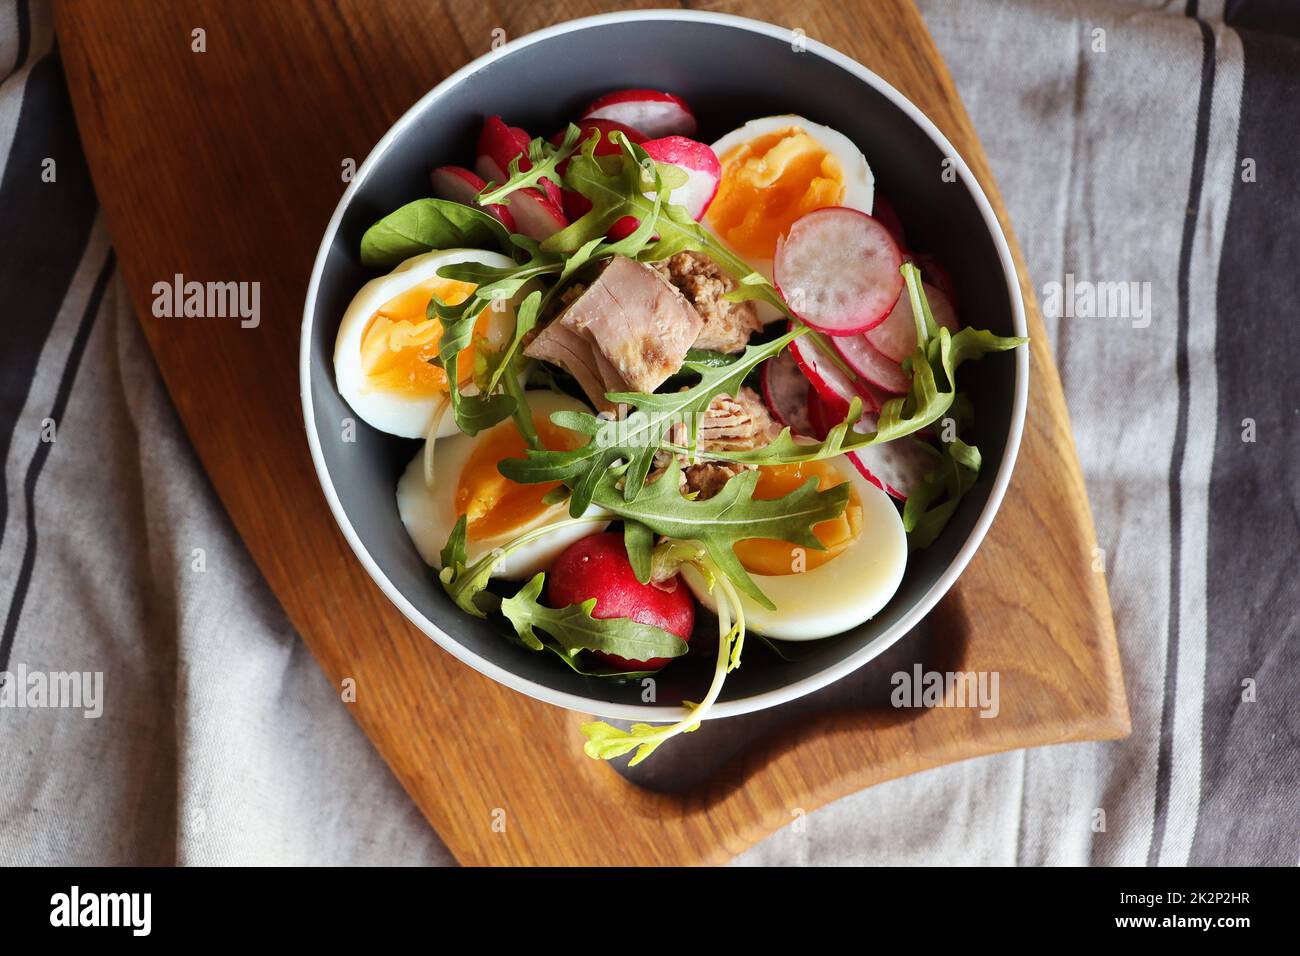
(226, 164)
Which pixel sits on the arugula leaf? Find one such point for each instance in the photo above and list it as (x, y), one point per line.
(575, 629)
(953, 477)
(605, 741)
(732, 515)
(428, 224)
(543, 157)
(639, 542)
(639, 435)
(465, 582)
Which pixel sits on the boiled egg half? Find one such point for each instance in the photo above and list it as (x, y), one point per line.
(385, 343)
(774, 170)
(820, 593)
(464, 480)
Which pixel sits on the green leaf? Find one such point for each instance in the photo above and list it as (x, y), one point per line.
(732, 515)
(574, 628)
(638, 541)
(955, 475)
(636, 437)
(428, 224)
(465, 582)
(543, 157)
(525, 322)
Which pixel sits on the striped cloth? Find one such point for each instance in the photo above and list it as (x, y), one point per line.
(1138, 143)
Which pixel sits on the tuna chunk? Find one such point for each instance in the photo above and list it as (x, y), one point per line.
(727, 325)
(731, 424)
(627, 332)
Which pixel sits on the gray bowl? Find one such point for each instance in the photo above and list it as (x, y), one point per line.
(730, 70)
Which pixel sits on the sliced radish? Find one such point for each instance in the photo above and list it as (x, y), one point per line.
(650, 111)
(826, 377)
(823, 415)
(786, 389)
(500, 144)
(462, 185)
(838, 270)
(535, 214)
(895, 338)
(882, 372)
(703, 173)
(896, 467)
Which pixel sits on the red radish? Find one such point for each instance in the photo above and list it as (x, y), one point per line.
(501, 144)
(838, 269)
(703, 173)
(537, 213)
(462, 185)
(786, 389)
(895, 338)
(873, 398)
(826, 377)
(883, 211)
(700, 163)
(650, 111)
(823, 415)
(896, 467)
(875, 368)
(597, 567)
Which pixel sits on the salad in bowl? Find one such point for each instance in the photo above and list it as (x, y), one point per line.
(668, 394)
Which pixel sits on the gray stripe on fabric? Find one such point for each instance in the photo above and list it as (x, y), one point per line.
(1183, 799)
(1200, 148)
(1250, 800)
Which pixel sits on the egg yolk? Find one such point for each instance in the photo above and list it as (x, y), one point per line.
(399, 341)
(772, 557)
(494, 504)
(768, 183)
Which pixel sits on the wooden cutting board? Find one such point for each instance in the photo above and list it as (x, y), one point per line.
(226, 164)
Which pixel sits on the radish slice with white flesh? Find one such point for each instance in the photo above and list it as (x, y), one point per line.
(826, 377)
(652, 112)
(703, 174)
(882, 372)
(698, 161)
(501, 144)
(897, 467)
(463, 186)
(838, 270)
(895, 338)
(786, 389)
(535, 215)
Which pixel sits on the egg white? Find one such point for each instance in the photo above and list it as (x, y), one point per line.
(429, 512)
(835, 596)
(406, 416)
(859, 182)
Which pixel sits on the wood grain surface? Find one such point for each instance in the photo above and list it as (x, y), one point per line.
(226, 165)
